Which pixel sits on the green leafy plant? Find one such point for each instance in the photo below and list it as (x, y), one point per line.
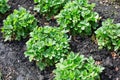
(18, 25)
(49, 8)
(47, 45)
(109, 35)
(4, 6)
(78, 17)
(77, 67)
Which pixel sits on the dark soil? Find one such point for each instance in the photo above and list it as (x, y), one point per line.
(108, 9)
(14, 66)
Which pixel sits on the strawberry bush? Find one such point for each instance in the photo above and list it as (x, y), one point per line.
(109, 35)
(18, 25)
(78, 17)
(49, 8)
(77, 67)
(47, 45)
(4, 6)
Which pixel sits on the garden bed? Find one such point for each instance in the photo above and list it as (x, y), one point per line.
(14, 65)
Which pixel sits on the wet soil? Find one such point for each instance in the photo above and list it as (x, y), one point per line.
(15, 66)
(107, 9)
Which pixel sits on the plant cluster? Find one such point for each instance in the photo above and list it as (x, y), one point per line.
(18, 25)
(78, 17)
(47, 45)
(109, 35)
(49, 8)
(77, 67)
(4, 6)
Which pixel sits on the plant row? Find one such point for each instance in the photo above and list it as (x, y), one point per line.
(76, 16)
(50, 45)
